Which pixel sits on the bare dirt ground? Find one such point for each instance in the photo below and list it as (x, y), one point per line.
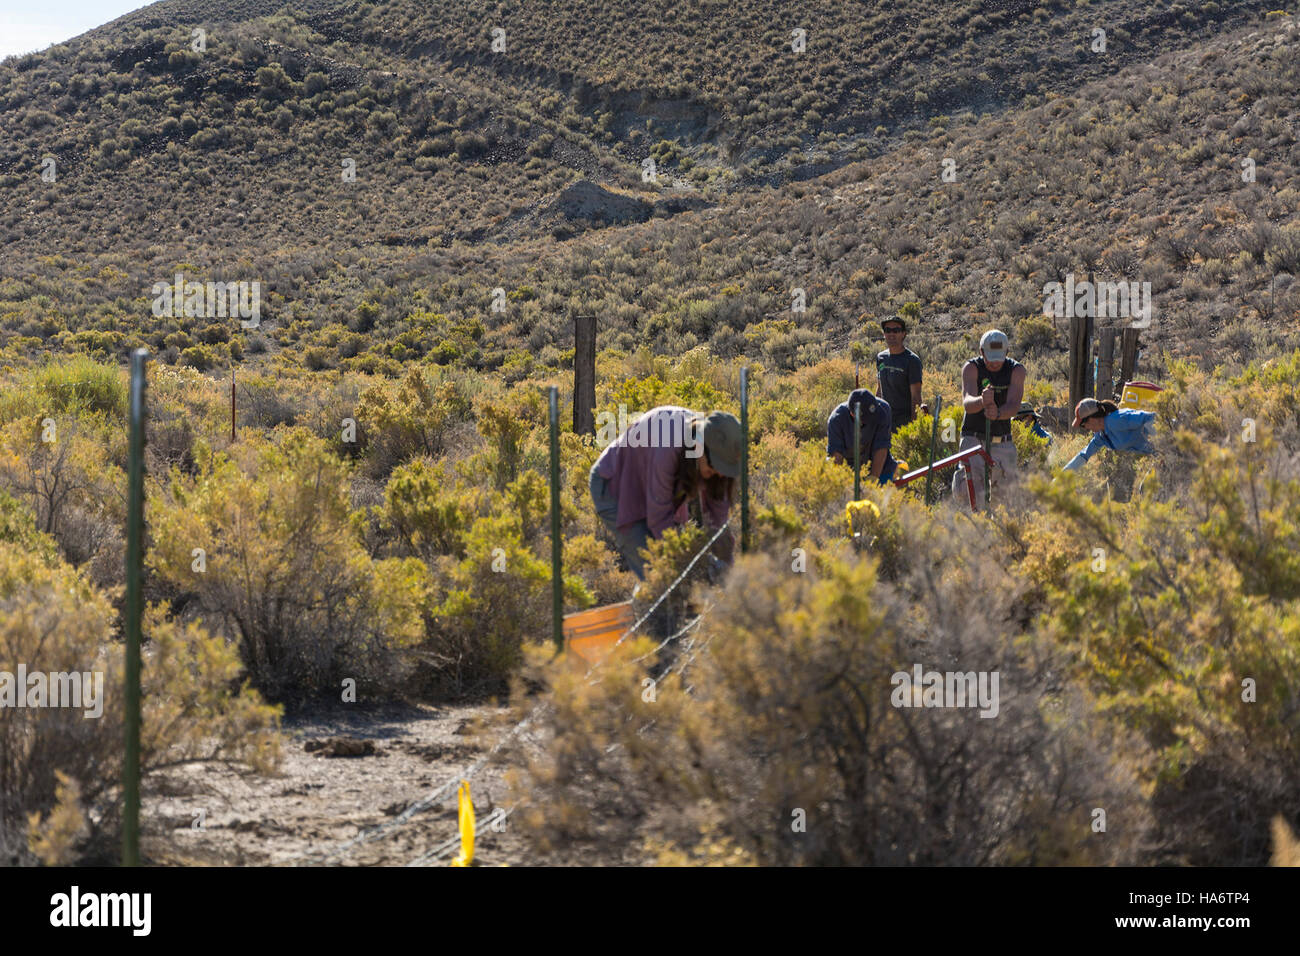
(316, 803)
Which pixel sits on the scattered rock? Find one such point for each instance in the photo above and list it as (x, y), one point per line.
(302, 789)
(341, 747)
(433, 751)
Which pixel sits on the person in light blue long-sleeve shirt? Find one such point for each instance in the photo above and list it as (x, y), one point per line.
(1120, 429)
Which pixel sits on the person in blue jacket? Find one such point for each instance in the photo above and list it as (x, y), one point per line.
(875, 428)
(1112, 427)
(1029, 417)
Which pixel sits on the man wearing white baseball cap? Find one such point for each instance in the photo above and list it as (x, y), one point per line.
(992, 386)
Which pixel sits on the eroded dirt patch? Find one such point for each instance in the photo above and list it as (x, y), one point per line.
(341, 775)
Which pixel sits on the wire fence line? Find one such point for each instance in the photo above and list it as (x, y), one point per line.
(431, 799)
(442, 792)
(667, 591)
(449, 846)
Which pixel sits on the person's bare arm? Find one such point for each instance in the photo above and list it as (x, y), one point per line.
(1015, 394)
(878, 461)
(917, 401)
(972, 400)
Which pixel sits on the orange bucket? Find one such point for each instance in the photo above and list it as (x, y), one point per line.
(590, 635)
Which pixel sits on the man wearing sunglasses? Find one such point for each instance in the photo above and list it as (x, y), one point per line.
(898, 372)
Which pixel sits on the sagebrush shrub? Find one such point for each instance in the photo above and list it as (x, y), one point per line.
(284, 570)
(53, 620)
(790, 712)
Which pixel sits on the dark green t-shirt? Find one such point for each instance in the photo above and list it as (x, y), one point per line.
(898, 373)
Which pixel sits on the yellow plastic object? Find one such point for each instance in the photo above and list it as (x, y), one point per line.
(1141, 396)
(466, 827)
(859, 509)
(589, 635)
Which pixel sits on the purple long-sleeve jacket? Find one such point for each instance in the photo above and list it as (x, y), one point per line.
(642, 463)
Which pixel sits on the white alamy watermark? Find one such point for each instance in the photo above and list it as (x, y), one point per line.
(946, 689)
(75, 908)
(208, 300)
(1113, 300)
(667, 431)
(77, 690)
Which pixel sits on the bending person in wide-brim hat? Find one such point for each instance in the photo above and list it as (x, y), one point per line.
(668, 462)
(1119, 429)
(1028, 417)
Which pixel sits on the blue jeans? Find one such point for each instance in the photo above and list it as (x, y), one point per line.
(631, 539)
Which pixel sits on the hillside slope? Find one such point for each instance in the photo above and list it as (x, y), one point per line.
(477, 172)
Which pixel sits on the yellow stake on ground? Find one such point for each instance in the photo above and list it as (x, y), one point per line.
(466, 827)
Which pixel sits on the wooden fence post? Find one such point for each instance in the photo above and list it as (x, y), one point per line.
(1106, 365)
(1128, 356)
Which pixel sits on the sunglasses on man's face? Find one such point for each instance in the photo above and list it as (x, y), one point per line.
(893, 331)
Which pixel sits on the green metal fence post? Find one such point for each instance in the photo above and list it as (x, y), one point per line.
(857, 451)
(934, 448)
(557, 583)
(988, 467)
(134, 544)
(744, 460)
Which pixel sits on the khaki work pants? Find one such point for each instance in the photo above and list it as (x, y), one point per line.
(1004, 472)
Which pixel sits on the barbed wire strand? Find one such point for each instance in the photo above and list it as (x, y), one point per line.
(433, 798)
(662, 597)
(446, 847)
